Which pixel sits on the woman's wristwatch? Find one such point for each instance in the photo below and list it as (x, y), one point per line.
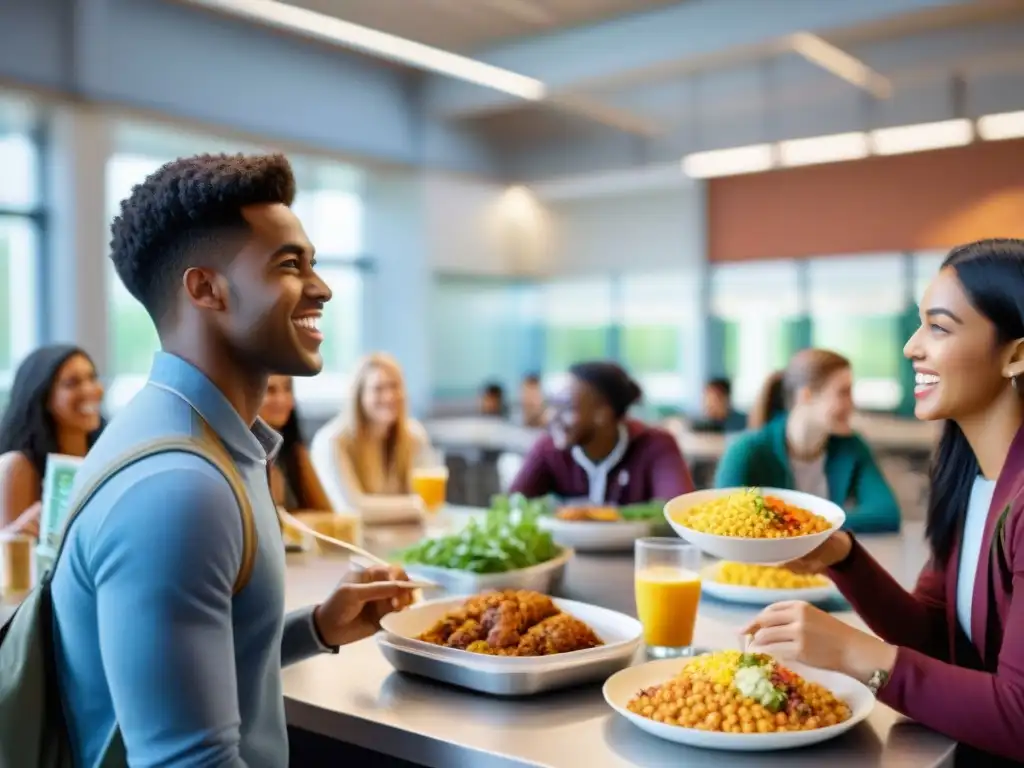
(877, 681)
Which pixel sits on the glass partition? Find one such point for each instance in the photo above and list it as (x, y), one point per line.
(658, 340)
(21, 217)
(760, 307)
(577, 315)
(857, 306)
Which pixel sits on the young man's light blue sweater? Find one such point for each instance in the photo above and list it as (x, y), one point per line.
(147, 629)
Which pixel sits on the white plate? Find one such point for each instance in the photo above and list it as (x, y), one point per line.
(621, 635)
(624, 685)
(759, 551)
(545, 577)
(592, 536)
(759, 596)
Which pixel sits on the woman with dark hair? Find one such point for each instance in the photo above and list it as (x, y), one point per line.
(293, 481)
(806, 443)
(54, 407)
(594, 451)
(949, 654)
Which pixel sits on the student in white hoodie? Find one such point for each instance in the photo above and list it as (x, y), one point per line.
(365, 457)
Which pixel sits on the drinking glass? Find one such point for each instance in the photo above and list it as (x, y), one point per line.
(431, 485)
(667, 582)
(17, 564)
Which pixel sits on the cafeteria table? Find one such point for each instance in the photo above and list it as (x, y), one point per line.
(356, 700)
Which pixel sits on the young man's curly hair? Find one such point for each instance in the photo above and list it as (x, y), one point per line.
(187, 211)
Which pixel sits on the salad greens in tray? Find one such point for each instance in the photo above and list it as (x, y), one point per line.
(507, 538)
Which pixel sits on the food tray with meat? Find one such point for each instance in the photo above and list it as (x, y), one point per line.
(499, 682)
(513, 642)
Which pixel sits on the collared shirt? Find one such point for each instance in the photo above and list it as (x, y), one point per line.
(146, 623)
(649, 468)
(597, 474)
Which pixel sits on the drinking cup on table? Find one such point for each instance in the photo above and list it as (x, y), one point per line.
(17, 564)
(667, 583)
(431, 485)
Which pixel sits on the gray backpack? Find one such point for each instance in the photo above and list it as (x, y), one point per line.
(33, 732)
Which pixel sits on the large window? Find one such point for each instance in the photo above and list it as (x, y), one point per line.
(20, 219)
(926, 266)
(577, 316)
(495, 324)
(659, 325)
(328, 202)
(857, 307)
(132, 335)
(759, 309)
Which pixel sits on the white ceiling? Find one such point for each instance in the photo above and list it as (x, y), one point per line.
(462, 25)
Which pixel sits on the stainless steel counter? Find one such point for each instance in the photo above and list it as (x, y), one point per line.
(357, 698)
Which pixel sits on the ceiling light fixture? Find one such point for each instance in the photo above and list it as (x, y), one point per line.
(729, 162)
(824, 149)
(922, 137)
(1005, 125)
(380, 44)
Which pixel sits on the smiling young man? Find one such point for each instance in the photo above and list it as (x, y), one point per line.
(149, 633)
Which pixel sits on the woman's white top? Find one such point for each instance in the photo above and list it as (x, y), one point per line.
(338, 477)
(970, 549)
(809, 476)
(597, 474)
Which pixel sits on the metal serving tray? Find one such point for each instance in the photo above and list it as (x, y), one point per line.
(502, 682)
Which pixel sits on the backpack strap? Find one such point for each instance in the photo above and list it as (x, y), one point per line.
(207, 446)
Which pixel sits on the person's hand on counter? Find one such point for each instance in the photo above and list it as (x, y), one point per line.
(798, 631)
(353, 612)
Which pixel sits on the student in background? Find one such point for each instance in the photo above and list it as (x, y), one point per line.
(54, 407)
(293, 481)
(492, 400)
(718, 414)
(533, 408)
(595, 451)
(811, 447)
(365, 458)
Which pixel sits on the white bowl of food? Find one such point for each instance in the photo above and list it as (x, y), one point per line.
(841, 703)
(754, 525)
(588, 528)
(543, 577)
(763, 585)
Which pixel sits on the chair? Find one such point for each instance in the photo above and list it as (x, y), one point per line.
(509, 465)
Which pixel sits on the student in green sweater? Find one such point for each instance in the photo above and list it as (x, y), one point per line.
(804, 442)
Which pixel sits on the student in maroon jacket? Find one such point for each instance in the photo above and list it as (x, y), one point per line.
(594, 452)
(951, 653)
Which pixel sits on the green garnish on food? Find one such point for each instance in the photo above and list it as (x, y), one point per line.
(506, 539)
(644, 512)
(753, 680)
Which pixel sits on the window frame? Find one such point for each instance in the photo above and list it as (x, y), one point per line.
(36, 215)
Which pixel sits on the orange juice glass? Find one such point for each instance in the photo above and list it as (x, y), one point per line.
(667, 585)
(17, 564)
(431, 485)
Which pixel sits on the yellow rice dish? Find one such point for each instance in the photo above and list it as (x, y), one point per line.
(765, 577)
(733, 692)
(750, 514)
